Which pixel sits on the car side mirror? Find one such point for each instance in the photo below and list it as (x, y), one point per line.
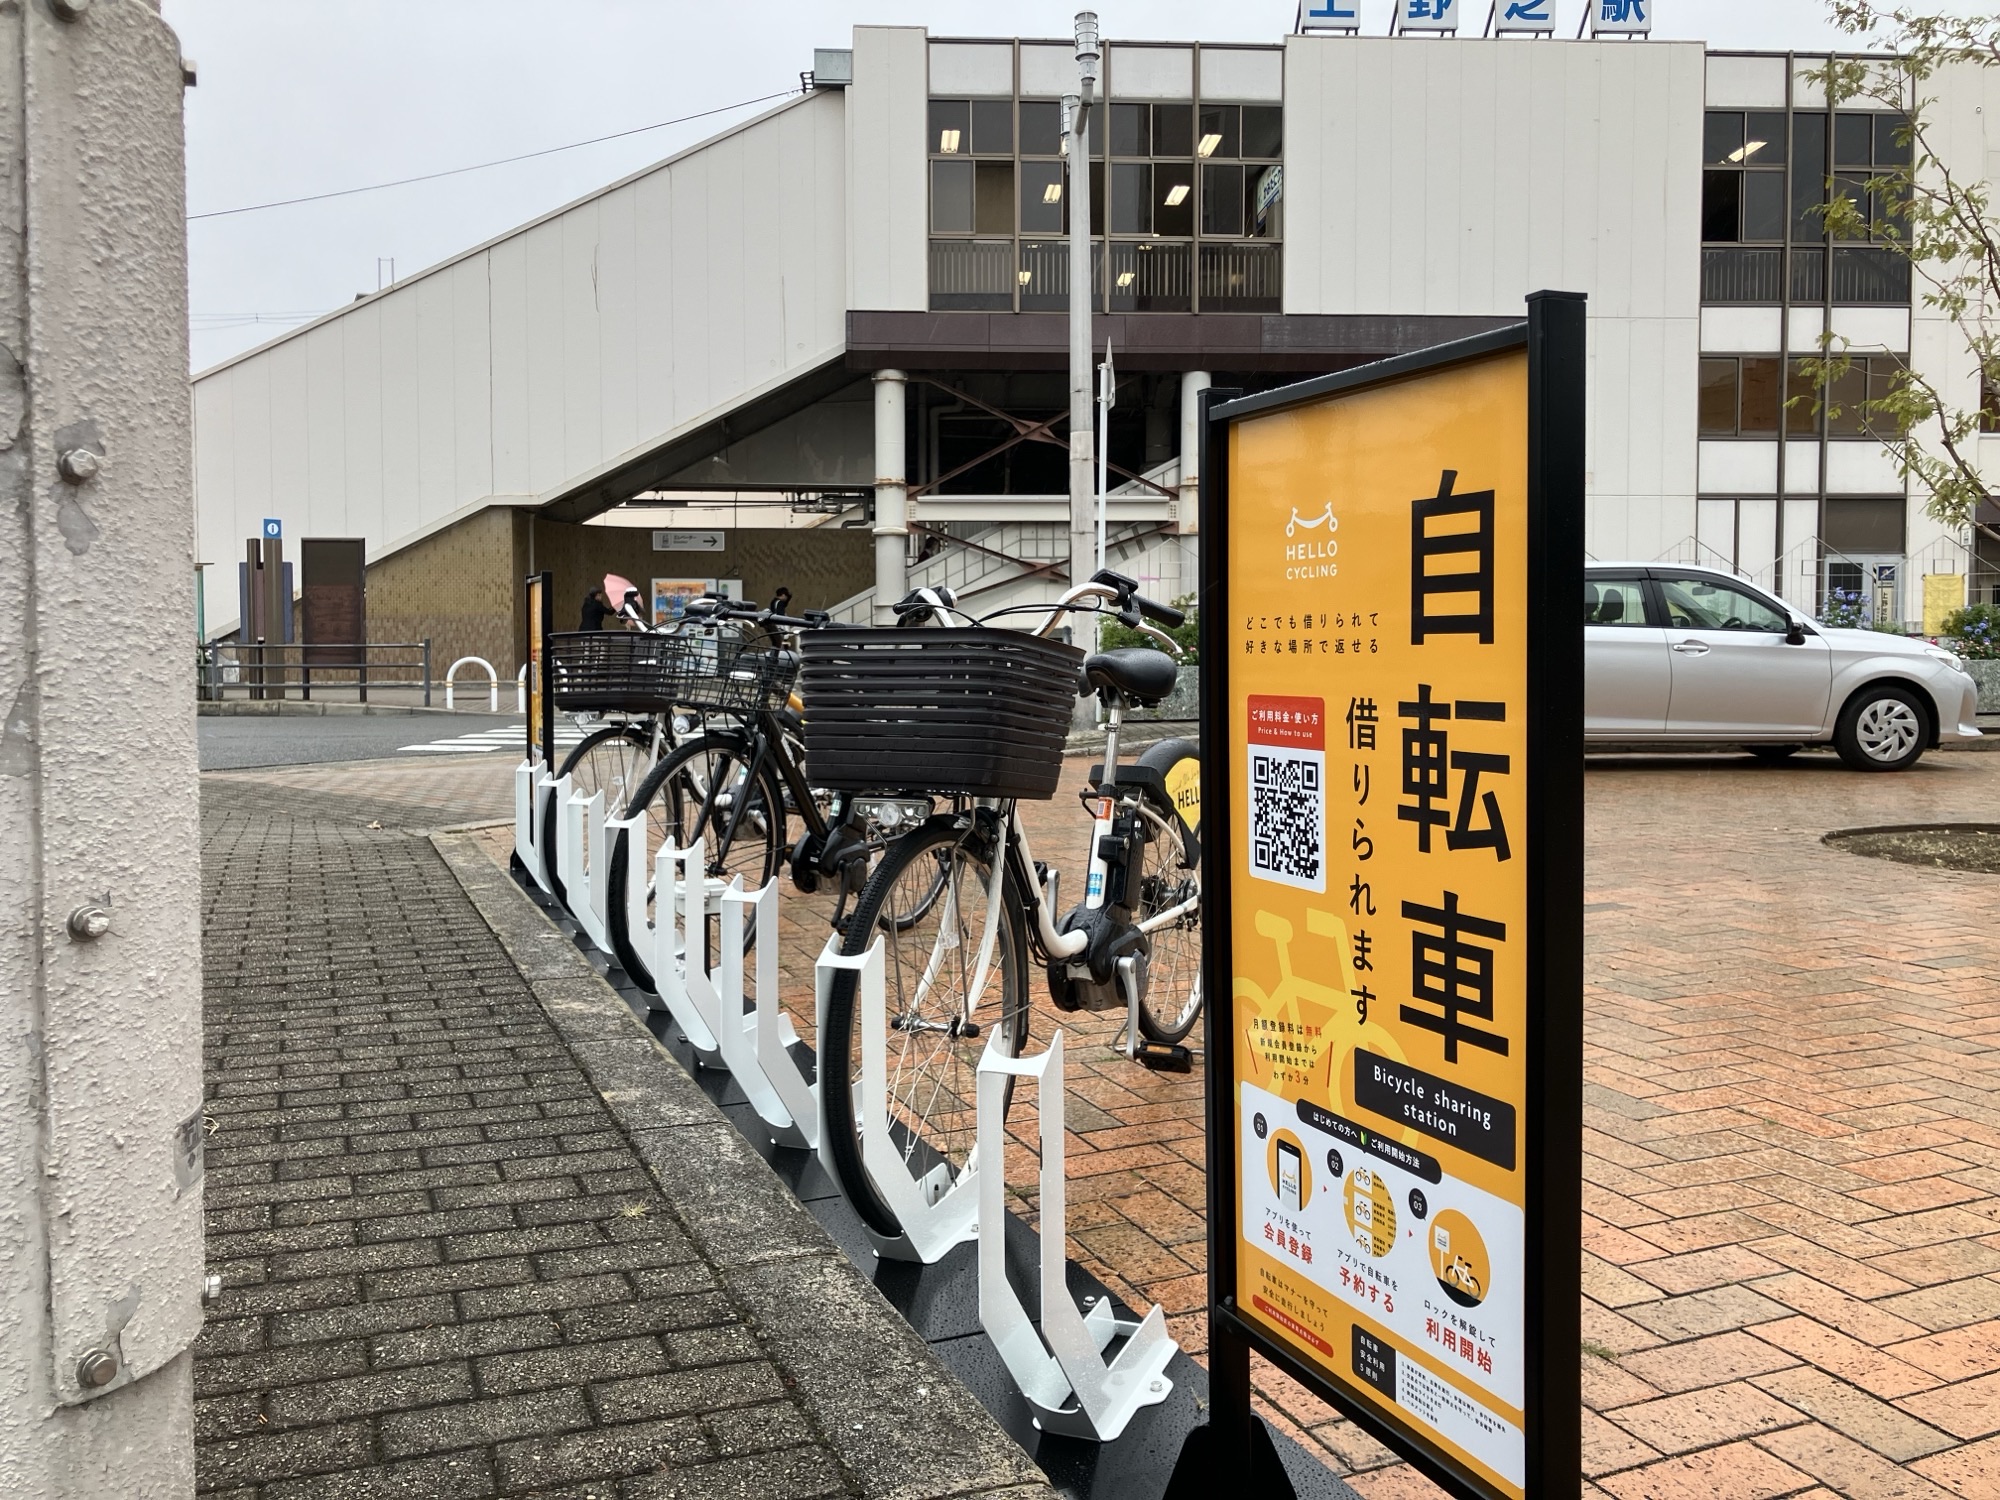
(1795, 632)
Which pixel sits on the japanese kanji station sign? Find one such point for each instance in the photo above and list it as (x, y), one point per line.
(1392, 699)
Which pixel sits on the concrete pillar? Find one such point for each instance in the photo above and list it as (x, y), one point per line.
(892, 496)
(1187, 509)
(101, 1124)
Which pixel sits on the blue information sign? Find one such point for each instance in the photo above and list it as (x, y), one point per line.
(274, 529)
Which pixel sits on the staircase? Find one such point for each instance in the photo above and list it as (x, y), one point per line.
(993, 566)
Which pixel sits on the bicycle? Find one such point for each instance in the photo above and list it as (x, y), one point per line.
(961, 903)
(733, 788)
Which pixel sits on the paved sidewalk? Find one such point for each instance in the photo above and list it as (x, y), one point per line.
(449, 1272)
(1792, 1240)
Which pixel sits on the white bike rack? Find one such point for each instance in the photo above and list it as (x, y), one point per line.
(680, 910)
(936, 1213)
(533, 787)
(585, 871)
(1061, 1370)
(754, 1043)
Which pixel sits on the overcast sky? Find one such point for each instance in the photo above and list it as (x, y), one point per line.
(310, 96)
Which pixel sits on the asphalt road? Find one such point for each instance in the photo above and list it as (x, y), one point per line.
(232, 743)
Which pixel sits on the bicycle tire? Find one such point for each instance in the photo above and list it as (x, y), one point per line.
(907, 954)
(593, 760)
(670, 797)
(1168, 876)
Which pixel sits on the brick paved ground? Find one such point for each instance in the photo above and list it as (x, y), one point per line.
(1792, 1237)
(449, 1273)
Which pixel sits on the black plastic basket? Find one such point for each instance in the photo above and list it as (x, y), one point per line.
(982, 712)
(618, 669)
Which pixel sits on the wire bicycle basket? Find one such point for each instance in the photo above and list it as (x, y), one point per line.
(982, 712)
(721, 672)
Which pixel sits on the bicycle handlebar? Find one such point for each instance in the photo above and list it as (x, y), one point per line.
(719, 607)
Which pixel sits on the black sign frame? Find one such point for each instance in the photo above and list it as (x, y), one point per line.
(1237, 1446)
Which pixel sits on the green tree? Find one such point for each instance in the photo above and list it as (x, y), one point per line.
(1936, 215)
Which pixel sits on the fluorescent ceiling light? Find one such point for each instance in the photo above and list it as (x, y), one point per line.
(1177, 195)
(1052, 193)
(1126, 278)
(1207, 146)
(1747, 150)
(1025, 277)
(947, 143)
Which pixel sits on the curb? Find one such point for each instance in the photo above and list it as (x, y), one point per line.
(290, 708)
(865, 1378)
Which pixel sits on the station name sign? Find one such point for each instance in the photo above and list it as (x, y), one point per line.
(1508, 17)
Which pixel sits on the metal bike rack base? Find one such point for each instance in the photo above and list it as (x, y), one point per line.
(584, 869)
(533, 787)
(1061, 1370)
(777, 1092)
(936, 1213)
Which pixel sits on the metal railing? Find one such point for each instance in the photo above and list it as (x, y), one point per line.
(263, 671)
(1865, 275)
(1151, 278)
(1740, 274)
(1246, 277)
(972, 275)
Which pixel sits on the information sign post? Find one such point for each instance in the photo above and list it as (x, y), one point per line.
(540, 613)
(1392, 689)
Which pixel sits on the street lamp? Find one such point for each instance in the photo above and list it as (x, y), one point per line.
(1076, 113)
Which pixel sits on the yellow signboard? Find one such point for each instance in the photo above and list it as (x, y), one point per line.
(1387, 656)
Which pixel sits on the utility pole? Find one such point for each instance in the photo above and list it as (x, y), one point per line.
(1082, 475)
(101, 1120)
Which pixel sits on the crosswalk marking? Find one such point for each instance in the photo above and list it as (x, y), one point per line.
(500, 737)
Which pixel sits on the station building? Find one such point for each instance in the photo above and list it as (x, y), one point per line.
(755, 322)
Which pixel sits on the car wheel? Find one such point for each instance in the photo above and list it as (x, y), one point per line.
(1774, 753)
(1881, 729)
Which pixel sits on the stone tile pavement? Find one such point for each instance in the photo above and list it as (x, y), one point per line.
(1792, 1236)
(449, 1272)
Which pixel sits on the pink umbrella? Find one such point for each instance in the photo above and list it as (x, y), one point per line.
(616, 588)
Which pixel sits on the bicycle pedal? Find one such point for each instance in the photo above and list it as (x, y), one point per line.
(1162, 1058)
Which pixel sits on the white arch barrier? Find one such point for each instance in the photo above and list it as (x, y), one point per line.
(492, 681)
(1067, 1382)
(521, 689)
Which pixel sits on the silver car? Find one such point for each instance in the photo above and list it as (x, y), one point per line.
(1677, 654)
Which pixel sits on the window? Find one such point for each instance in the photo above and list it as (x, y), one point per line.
(1863, 528)
(1697, 603)
(1866, 379)
(1614, 601)
(1164, 178)
(1865, 148)
(1740, 396)
(1989, 406)
(1743, 184)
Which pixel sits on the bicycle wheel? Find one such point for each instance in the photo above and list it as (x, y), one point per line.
(1170, 897)
(612, 760)
(693, 794)
(937, 1026)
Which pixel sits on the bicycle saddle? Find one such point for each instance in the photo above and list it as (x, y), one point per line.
(1138, 673)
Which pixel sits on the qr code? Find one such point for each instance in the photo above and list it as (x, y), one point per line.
(1288, 816)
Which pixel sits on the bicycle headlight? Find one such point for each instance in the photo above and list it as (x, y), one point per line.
(893, 814)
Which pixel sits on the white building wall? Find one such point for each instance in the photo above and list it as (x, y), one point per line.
(536, 362)
(888, 225)
(1454, 177)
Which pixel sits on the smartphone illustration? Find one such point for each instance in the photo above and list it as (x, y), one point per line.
(1291, 1172)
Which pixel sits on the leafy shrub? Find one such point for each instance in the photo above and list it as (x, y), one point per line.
(1975, 631)
(1844, 609)
(1112, 635)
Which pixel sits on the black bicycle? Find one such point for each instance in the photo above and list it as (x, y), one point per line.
(735, 786)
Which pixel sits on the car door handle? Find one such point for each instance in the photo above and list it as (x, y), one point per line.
(1690, 648)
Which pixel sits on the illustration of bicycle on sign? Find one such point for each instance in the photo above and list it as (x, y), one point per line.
(1328, 520)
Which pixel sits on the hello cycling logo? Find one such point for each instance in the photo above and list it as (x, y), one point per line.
(1310, 547)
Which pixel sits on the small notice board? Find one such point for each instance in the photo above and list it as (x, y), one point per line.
(1392, 682)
